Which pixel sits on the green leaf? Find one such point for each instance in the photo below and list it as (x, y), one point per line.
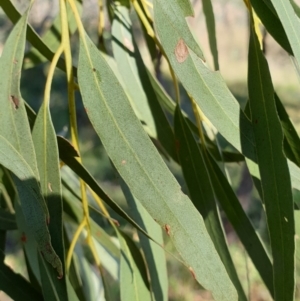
(46, 150)
(273, 168)
(272, 23)
(15, 134)
(73, 208)
(241, 224)
(211, 30)
(154, 254)
(83, 173)
(29, 244)
(16, 286)
(206, 87)
(133, 285)
(143, 170)
(296, 8)
(290, 23)
(291, 141)
(7, 220)
(186, 7)
(74, 283)
(13, 124)
(139, 80)
(124, 52)
(201, 191)
(175, 14)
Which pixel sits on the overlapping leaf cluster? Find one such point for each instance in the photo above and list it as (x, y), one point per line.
(53, 207)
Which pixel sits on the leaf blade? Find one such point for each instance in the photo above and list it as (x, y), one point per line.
(153, 185)
(273, 167)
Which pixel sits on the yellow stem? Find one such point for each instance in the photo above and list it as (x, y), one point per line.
(50, 75)
(101, 18)
(145, 5)
(151, 33)
(198, 120)
(73, 243)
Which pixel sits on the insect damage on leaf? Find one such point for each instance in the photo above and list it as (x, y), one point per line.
(15, 101)
(181, 51)
(168, 229)
(23, 237)
(50, 256)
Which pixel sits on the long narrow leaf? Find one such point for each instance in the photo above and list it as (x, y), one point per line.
(206, 87)
(211, 30)
(290, 23)
(273, 167)
(44, 139)
(154, 255)
(145, 173)
(199, 183)
(132, 280)
(15, 130)
(272, 23)
(291, 139)
(241, 224)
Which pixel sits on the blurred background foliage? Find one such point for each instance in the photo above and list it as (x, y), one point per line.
(232, 38)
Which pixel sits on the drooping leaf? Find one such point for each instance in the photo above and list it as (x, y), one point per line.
(15, 134)
(123, 34)
(154, 255)
(241, 224)
(84, 174)
(290, 23)
(124, 54)
(211, 30)
(133, 285)
(176, 18)
(73, 209)
(45, 143)
(273, 168)
(272, 23)
(206, 87)
(291, 141)
(145, 173)
(201, 190)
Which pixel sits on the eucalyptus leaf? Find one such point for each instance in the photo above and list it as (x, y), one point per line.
(274, 172)
(145, 173)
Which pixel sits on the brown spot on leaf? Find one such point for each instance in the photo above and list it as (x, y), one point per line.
(181, 51)
(192, 272)
(15, 101)
(94, 69)
(23, 237)
(116, 222)
(123, 162)
(15, 61)
(168, 229)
